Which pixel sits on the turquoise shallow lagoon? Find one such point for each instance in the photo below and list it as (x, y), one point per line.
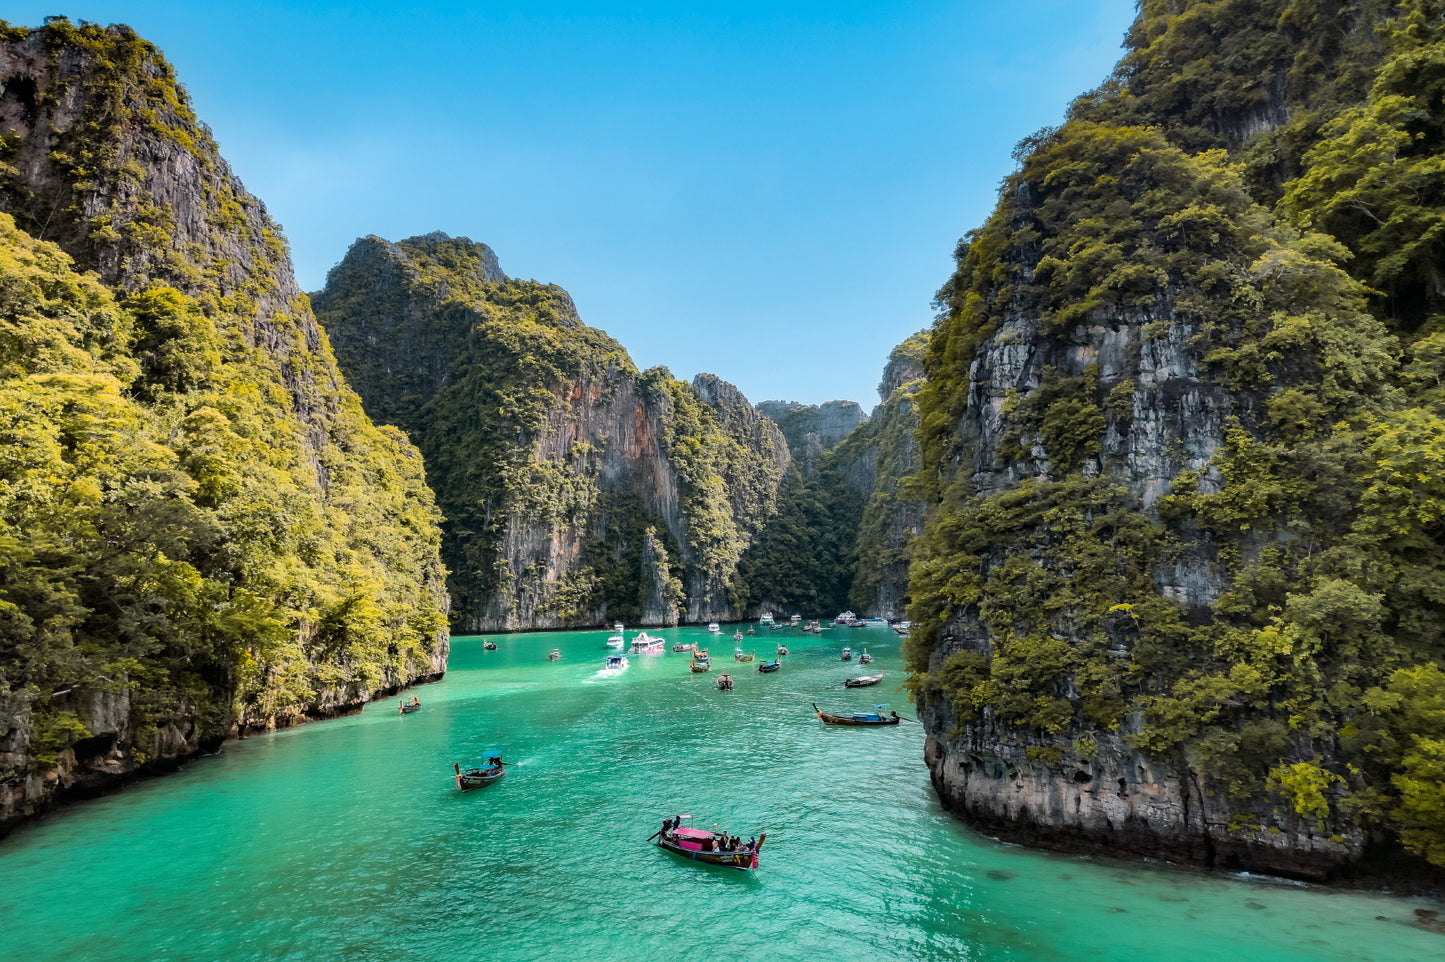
(347, 840)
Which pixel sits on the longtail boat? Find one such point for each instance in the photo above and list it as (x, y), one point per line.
(681, 647)
(724, 682)
(874, 717)
(862, 681)
(554, 654)
(782, 650)
(407, 707)
(739, 656)
(699, 665)
(477, 777)
(703, 846)
(768, 666)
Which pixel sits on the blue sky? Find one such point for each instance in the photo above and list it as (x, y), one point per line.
(769, 192)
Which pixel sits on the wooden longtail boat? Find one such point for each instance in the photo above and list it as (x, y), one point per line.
(689, 843)
(739, 656)
(863, 681)
(724, 682)
(554, 654)
(477, 777)
(782, 650)
(874, 717)
(407, 707)
(699, 665)
(677, 648)
(489, 645)
(768, 666)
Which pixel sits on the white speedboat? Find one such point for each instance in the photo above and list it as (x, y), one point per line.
(766, 618)
(714, 627)
(615, 664)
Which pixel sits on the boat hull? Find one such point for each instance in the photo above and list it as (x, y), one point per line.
(828, 719)
(742, 861)
(469, 780)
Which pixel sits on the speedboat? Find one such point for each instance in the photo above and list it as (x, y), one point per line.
(864, 658)
(847, 654)
(713, 627)
(614, 664)
(766, 618)
(616, 640)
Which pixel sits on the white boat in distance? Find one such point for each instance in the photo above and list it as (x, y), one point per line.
(713, 627)
(614, 664)
(766, 618)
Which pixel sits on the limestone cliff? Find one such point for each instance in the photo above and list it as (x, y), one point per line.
(577, 490)
(1166, 602)
(812, 429)
(209, 534)
(841, 538)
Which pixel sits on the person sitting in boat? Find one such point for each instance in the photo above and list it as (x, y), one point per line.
(752, 843)
(415, 701)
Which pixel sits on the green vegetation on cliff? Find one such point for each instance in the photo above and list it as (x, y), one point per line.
(1252, 592)
(841, 537)
(199, 527)
(576, 489)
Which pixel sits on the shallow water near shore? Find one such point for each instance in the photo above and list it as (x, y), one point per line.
(348, 839)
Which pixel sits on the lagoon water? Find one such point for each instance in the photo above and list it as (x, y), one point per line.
(347, 840)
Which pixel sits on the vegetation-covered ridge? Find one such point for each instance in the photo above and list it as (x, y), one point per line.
(200, 530)
(1181, 440)
(847, 514)
(577, 490)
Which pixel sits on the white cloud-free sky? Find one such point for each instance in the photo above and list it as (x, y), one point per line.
(769, 192)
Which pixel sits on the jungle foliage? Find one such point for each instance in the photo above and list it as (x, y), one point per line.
(538, 430)
(1255, 192)
(194, 526)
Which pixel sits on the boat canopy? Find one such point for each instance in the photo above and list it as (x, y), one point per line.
(687, 831)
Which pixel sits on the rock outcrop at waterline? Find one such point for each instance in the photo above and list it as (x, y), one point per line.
(1173, 597)
(577, 490)
(200, 530)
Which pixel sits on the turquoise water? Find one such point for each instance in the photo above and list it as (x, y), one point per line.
(347, 840)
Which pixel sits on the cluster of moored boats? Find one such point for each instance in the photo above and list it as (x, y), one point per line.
(712, 848)
(700, 661)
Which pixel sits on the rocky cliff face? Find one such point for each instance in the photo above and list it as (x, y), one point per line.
(1147, 498)
(577, 490)
(812, 429)
(879, 461)
(250, 550)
